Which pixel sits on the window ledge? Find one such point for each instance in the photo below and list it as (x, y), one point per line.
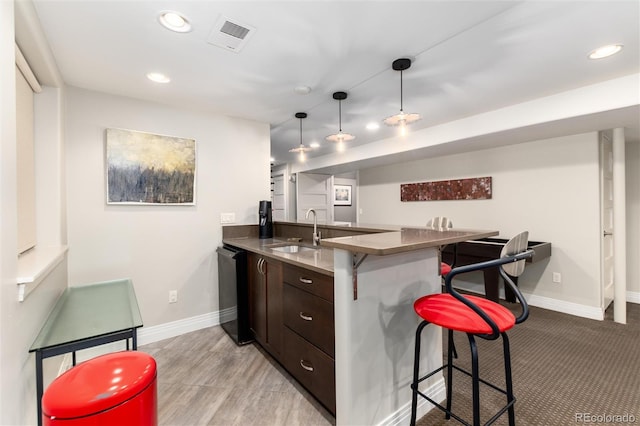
(34, 265)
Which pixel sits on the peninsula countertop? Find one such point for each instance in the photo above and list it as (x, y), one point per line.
(383, 240)
(404, 240)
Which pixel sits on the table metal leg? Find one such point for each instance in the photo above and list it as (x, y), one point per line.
(134, 339)
(492, 284)
(39, 385)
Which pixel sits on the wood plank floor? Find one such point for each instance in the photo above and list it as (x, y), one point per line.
(205, 379)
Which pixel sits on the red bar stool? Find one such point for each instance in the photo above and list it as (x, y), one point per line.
(477, 317)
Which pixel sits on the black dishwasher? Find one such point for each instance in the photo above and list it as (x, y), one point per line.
(233, 293)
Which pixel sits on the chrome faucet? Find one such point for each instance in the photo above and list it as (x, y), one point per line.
(316, 234)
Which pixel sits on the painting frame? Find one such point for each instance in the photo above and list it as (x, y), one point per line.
(342, 195)
(150, 169)
(477, 188)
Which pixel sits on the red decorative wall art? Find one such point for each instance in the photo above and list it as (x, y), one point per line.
(456, 189)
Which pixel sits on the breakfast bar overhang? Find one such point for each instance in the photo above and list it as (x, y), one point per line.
(377, 277)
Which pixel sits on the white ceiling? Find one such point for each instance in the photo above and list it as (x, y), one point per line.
(469, 57)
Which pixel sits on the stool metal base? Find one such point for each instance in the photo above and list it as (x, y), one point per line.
(476, 380)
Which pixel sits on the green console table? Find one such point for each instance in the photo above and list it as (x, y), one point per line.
(87, 316)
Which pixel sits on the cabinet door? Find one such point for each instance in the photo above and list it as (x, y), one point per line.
(257, 298)
(275, 314)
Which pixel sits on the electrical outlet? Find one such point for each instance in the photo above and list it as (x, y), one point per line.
(173, 296)
(557, 277)
(227, 217)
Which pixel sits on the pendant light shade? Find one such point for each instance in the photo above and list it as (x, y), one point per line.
(402, 119)
(301, 149)
(340, 137)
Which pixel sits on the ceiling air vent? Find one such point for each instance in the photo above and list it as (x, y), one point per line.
(230, 35)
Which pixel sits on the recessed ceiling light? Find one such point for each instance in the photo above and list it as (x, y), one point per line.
(302, 90)
(158, 77)
(605, 51)
(314, 144)
(373, 126)
(174, 21)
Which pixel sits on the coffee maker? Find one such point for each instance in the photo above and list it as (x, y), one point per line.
(265, 222)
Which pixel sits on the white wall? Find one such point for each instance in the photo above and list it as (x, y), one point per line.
(632, 168)
(21, 322)
(548, 187)
(161, 248)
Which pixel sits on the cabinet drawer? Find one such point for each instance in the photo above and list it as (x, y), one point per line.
(311, 281)
(311, 317)
(312, 368)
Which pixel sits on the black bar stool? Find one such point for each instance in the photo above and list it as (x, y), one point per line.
(477, 317)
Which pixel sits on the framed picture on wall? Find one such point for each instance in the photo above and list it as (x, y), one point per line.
(149, 169)
(341, 195)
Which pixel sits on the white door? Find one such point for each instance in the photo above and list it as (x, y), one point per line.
(606, 220)
(314, 192)
(278, 197)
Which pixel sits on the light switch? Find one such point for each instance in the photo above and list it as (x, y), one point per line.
(227, 217)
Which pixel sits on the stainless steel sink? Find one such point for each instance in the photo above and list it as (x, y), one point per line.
(292, 248)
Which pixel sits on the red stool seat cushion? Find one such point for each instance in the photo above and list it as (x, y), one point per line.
(446, 311)
(445, 268)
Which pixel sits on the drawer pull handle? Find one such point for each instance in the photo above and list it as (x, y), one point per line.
(306, 317)
(305, 280)
(305, 366)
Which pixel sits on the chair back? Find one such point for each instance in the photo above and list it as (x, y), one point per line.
(439, 222)
(515, 245)
(510, 264)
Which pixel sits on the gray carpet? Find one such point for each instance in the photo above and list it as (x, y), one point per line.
(566, 371)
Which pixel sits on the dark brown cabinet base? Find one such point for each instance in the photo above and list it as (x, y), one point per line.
(314, 369)
(292, 318)
(309, 332)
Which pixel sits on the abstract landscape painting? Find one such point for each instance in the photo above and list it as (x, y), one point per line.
(143, 168)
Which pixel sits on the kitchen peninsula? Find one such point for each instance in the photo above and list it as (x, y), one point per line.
(378, 272)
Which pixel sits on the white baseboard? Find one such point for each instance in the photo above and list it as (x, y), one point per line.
(570, 308)
(152, 334)
(437, 392)
(550, 303)
(167, 330)
(545, 302)
(574, 308)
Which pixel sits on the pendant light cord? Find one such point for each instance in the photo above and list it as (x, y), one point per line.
(401, 110)
(340, 114)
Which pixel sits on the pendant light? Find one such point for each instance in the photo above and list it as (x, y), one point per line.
(301, 148)
(340, 137)
(401, 119)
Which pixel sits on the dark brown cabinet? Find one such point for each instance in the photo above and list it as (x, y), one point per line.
(309, 332)
(265, 303)
(291, 316)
